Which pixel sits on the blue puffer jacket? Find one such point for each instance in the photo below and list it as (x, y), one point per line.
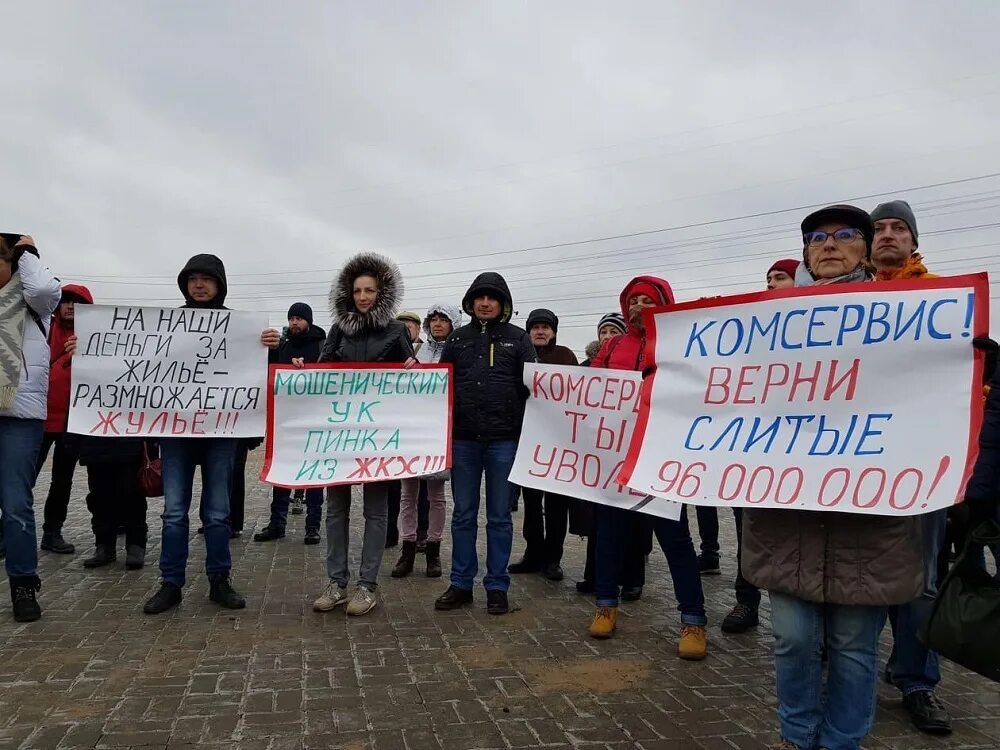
(42, 291)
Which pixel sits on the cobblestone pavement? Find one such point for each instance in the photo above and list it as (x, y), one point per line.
(96, 672)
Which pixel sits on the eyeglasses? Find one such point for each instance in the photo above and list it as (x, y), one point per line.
(841, 236)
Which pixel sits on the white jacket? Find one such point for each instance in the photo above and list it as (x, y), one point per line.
(430, 351)
(42, 292)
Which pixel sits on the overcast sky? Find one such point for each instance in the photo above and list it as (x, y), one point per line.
(458, 137)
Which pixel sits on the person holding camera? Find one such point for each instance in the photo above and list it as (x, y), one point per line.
(29, 294)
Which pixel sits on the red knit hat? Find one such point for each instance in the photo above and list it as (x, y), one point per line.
(785, 265)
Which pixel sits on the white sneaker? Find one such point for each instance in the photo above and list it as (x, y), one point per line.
(332, 595)
(362, 602)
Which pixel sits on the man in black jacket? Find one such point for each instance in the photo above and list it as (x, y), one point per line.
(489, 356)
(546, 514)
(303, 346)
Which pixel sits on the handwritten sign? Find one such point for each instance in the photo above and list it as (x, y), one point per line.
(863, 399)
(578, 423)
(350, 424)
(168, 372)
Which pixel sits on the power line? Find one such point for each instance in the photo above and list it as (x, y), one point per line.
(628, 235)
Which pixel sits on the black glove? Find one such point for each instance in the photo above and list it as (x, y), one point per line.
(20, 250)
(990, 348)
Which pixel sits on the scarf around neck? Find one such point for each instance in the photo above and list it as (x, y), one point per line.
(13, 312)
(803, 277)
(912, 268)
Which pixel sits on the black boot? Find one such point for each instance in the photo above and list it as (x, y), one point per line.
(22, 596)
(433, 559)
(222, 592)
(104, 555)
(405, 565)
(269, 533)
(52, 541)
(453, 598)
(312, 536)
(135, 557)
(527, 564)
(168, 597)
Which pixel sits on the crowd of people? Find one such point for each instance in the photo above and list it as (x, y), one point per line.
(833, 579)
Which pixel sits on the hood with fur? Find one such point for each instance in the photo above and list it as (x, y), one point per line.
(390, 294)
(453, 313)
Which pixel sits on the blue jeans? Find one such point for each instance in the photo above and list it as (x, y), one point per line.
(470, 460)
(180, 456)
(911, 667)
(20, 441)
(279, 507)
(675, 541)
(839, 715)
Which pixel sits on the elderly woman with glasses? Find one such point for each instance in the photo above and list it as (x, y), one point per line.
(831, 576)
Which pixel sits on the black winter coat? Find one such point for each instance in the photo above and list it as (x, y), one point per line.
(307, 346)
(103, 450)
(489, 361)
(984, 485)
(389, 344)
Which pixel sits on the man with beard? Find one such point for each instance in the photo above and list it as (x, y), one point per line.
(302, 346)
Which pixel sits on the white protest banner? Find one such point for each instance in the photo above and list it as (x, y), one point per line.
(175, 372)
(862, 398)
(578, 423)
(353, 423)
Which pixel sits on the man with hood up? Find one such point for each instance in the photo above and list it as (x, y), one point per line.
(545, 513)
(488, 355)
(202, 281)
(302, 346)
(62, 344)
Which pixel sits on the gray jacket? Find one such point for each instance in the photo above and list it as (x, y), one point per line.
(42, 292)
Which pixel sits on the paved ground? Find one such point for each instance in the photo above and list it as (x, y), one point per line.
(95, 672)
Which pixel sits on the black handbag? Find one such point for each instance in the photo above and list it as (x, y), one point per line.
(964, 624)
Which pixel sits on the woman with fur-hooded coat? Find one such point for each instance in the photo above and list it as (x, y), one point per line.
(363, 301)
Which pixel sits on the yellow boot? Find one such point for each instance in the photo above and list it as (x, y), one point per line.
(692, 645)
(603, 625)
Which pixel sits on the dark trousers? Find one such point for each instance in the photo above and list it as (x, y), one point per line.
(395, 489)
(279, 507)
(546, 516)
(613, 539)
(633, 570)
(115, 499)
(708, 530)
(238, 495)
(746, 592)
(64, 461)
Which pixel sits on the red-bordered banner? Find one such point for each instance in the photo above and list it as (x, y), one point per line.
(351, 423)
(863, 398)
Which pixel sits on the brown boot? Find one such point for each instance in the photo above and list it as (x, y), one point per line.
(433, 559)
(405, 565)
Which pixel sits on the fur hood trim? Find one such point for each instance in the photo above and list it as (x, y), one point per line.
(390, 294)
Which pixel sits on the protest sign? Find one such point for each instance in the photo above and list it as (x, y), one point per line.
(174, 372)
(578, 423)
(353, 423)
(862, 398)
